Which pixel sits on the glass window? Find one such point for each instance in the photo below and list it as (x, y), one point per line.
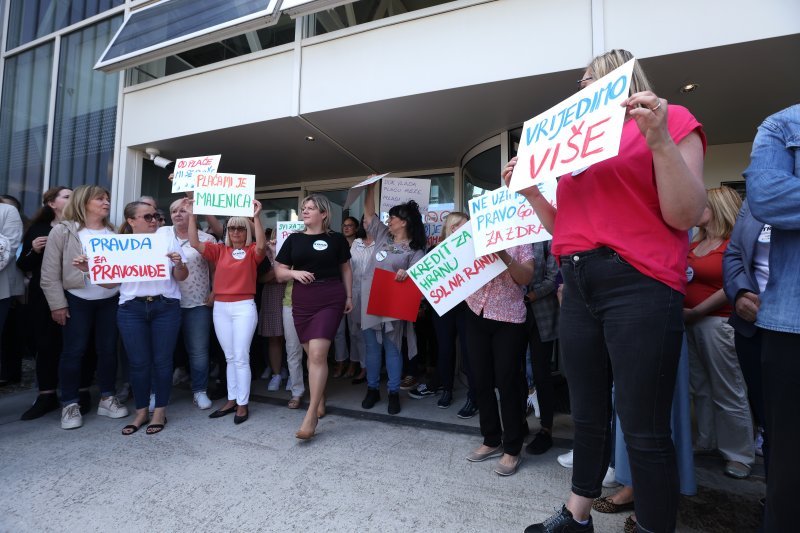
(481, 174)
(280, 33)
(355, 13)
(86, 110)
(30, 19)
(274, 210)
(23, 124)
(171, 26)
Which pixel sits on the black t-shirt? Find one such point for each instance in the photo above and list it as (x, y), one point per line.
(320, 254)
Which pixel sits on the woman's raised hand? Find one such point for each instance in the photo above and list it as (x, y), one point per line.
(508, 170)
(256, 208)
(302, 276)
(650, 113)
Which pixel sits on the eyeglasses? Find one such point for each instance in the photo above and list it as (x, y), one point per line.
(149, 217)
(581, 81)
(237, 228)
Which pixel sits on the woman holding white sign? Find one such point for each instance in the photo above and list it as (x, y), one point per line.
(235, 316)
(78, 306)
(398, 245)
(149, 318)
(620, 233)
(318, 261)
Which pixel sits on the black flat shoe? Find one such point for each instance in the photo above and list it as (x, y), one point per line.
(239, 419)
(44, 404)
(152, 429)
(130, 429)
(219, 413)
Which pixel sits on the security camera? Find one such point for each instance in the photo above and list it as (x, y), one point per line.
(155, 156)
(162, 162)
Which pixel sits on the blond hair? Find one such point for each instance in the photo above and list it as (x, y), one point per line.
(449, 220)
(239, 221)
(724, 204)
(605, 63)
(75, 210)
(324, 206)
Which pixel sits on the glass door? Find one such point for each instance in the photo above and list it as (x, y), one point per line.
(277, 207)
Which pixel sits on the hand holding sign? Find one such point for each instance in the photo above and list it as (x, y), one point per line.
(355, 190)
(651, 117)
(186, 170)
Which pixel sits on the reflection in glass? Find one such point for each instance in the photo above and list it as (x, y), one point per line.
(31, 19)
(364, 11)
(23, 124)
(86, 110)
(481, 174)
(274, 210)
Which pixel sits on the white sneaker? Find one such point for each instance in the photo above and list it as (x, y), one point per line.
(274, 383)
(111, 408)
(71, 416)
(152, 406)
(289, 383)
(201, 400)
(124, 393)
(533, 403)
(180, 376)
(610, 481)
(565, 459)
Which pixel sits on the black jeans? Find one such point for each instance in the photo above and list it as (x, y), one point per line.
(541, 356)
(780, 365)
(613, 314)
(447, 326)
(496, 357)
(748, 350)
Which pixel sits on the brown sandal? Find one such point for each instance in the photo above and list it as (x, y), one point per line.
(605, 505)
(294, 403)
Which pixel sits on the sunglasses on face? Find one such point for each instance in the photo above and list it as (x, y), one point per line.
(237, 228)
(149, 217)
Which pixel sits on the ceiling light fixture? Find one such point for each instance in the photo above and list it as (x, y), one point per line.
(311, 138)
(689, 87)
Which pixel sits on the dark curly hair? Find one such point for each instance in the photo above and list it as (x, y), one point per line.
(409, 212)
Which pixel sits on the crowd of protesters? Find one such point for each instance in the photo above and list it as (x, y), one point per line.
(647, 313)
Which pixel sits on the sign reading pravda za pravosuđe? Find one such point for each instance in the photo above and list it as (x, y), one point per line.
(582, 130)
(126, 258)
(228, 195)
(451, 272)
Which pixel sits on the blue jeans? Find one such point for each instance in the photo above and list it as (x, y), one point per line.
(83, 314)
(196, 327)
(612, 313)
(150, 332)
(394, 361)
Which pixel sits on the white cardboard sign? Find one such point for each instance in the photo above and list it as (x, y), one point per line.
(227, 195)
(183, 178)
(451, 272)
(356, 189)
(502, 219)
(125, 258)
(284, 229)
(396, 191)
(582, 130)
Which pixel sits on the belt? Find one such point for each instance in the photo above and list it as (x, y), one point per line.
(156, 298)
(578, 257)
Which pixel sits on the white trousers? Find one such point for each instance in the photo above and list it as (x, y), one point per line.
(235, 324)
(719, 391)
(294, 353)
(357, 349)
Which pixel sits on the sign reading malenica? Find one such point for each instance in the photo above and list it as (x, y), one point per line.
(228, 195)
(582, 130)
(451, 271)
(126, 258)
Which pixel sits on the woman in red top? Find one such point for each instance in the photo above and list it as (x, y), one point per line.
(620, 232)
(235, 315)
(717, 384)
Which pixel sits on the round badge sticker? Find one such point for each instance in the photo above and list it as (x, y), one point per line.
(689, 273)
(766, 234)
(380, 256)
(239, 254)
(320, 245)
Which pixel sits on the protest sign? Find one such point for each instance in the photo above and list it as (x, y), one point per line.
(355, 190)
(183, 178)
(582, 130)
(227, 195)
(126, 258)
(391, 298)
(434, 222)
(451, 272)
(502, 219)
(396, 191)
(284, 229)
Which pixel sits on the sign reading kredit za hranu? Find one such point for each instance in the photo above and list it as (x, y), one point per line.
(451, 272)
(224, 194)
(126, 258)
